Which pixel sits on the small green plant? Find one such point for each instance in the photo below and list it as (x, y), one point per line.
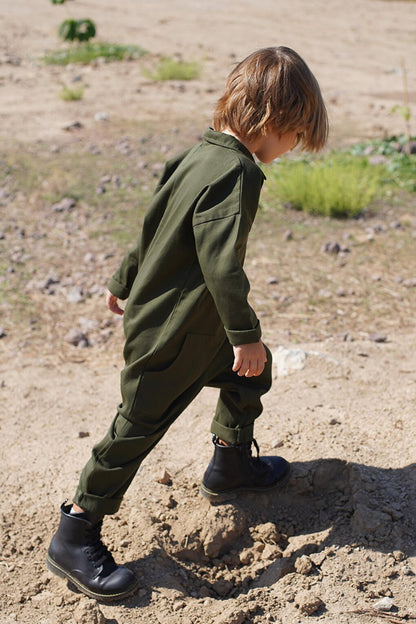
(87, 52)
(171, 69)
(77, 30)
(337, 185)
(71, 95)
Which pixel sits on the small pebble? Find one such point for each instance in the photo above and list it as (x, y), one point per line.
(331, 247)
(385, 604)
(165, 478)
(377, 337)
(65, 205)
(303, 565)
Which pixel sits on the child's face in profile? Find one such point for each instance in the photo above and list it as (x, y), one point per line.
(272, 145)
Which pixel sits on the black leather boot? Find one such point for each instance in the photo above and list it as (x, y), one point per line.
(234, 470)
(77, 553)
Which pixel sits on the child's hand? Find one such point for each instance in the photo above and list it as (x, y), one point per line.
(249, 359)
(112, 303)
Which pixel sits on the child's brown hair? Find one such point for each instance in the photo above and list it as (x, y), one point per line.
(273, 88)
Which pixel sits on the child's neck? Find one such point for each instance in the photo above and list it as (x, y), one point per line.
(251, 145)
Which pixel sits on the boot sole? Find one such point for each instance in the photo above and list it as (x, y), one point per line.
(56, 569)
(223, 497)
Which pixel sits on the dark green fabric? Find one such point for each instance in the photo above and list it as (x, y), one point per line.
(185, 272)
(187, 305)
(162, 398)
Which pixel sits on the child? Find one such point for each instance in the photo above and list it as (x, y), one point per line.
(187, 320)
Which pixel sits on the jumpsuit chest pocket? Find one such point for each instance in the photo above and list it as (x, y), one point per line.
(158, 389)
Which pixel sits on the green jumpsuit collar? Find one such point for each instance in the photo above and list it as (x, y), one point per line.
(229, 141)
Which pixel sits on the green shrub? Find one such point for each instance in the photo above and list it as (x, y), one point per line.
(71, 95)
(337, 185)
(87, 52)
(171, 69)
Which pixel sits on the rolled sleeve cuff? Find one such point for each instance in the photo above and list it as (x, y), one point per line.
(238, 337)
(117, 289)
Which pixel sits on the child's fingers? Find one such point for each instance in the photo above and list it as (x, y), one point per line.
(238, 360)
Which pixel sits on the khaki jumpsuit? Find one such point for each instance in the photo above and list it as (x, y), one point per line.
(187, 306)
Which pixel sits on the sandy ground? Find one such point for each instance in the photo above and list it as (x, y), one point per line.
(341, 535)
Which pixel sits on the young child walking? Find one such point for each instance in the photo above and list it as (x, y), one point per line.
(187, 320)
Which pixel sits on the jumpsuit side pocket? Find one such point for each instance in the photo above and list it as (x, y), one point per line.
(156, 390)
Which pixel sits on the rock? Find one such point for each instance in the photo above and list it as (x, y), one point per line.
(303, 565)
(204, 592)
(74, 125)
(75, 295)
(10, 59)
(101, 116)
(318, 558)
(407, 570)
(277, 570)
(2, 333)
(272, 280)
(246, 556)
(271, 552)
(221, 532)
(395, 225)
(165, 478)
(288, 360)
(49, 281)
(76, 338)
(266, 533)
(410, 283)
(307, 602)
(65, 205)
(171, 504)
(231, 616)
(377, 337)
(288, 235)
(209, 533)
(178, 605)
(331, 247)
(385, 604)
(88, 612)
(222, 587)
(83, 434)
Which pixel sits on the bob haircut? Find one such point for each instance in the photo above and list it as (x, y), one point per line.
(273, 89)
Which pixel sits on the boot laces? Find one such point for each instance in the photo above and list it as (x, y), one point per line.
(257, 464)
(97, 552)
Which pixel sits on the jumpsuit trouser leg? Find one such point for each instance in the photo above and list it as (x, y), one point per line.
(116, 459)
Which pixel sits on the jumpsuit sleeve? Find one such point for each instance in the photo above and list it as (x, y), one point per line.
(121, 282)
(222, 221)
